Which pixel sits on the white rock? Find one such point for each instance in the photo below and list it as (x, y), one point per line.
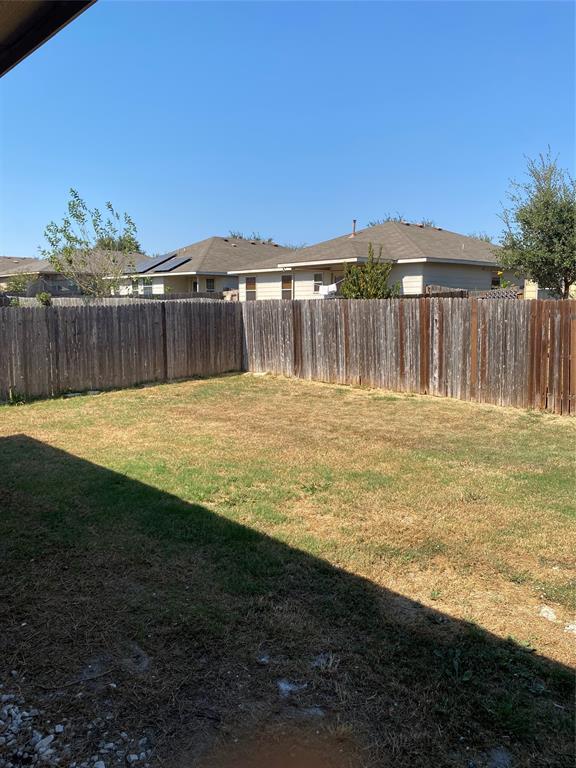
(100, 764)
(547, 613)
(59, 728)
(43, 744)
(285, 687)
(570, 628)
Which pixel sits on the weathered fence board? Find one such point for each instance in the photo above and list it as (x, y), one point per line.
(503, 352)
(45, 351)
(507, 352)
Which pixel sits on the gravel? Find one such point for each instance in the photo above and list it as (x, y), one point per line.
(28, 738)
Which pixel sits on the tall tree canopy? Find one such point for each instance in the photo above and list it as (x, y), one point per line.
(91, 249)
(539, 239)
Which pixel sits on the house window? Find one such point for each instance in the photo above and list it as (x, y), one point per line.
(145, 286)
(318, 281)
(286, 286)
(496, 279)
(250, 289)
(209, 284)
(195, 286)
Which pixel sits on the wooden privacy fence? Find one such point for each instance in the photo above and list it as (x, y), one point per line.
(507, 352)
(519, 353)
(46, 351)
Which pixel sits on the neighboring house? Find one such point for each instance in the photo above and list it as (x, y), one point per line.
(42, 276)
(533, 291)
(208, 266)
(421, 256)
(39, 273)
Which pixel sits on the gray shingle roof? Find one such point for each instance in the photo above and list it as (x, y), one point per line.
(12, 265)
(15, 265)
(224, 254)
(399, 241)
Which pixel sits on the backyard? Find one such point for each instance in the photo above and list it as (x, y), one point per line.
(250, 570)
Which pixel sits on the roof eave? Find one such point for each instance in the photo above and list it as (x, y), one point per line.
(254, 271)
(36, 28)
(444, 260)
(322, 262)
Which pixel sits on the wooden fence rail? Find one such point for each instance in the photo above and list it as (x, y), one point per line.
(507, 352)
(82, 301)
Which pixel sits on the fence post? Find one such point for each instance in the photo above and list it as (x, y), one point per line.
(164, 337)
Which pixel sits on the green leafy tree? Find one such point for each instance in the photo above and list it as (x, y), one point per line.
(44, 298)
(369, 280)
(483, 236)
(400, 219)
(123, 243)
(18, 284)
(255, 237)
(539, 239)
(385, 219)
(92, 250)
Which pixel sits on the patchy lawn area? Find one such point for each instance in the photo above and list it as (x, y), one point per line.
(318, 575)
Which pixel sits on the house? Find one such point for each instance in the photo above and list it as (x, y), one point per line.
(207, 266)
(37, 275)
(40, 275)
(422, 255)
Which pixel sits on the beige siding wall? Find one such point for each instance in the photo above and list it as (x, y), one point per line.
(457, 276)
(409, 276)
(304, 283)
(530, 289)
(183, 284)
(268, 286)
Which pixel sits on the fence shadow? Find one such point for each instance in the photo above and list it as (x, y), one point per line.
(127, 608)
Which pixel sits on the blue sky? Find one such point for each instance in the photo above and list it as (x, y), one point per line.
(286, 118)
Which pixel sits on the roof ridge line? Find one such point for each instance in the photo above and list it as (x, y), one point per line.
(412, 241)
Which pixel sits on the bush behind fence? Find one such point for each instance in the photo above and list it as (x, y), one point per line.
(519, 353)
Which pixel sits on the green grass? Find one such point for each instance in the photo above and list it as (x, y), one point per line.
(211, 520)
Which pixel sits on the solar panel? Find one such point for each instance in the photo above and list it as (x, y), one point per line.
(171, 264)
(153, 263)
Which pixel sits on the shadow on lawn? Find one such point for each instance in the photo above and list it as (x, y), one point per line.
(197, 619)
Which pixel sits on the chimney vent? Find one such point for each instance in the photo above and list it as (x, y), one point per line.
(353, 228)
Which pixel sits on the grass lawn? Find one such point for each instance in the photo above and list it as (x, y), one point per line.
(235, 565)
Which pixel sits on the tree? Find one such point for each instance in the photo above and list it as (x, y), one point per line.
(92, 251)
(369, 280)
(294, 246)
(539, 240)
(385, 219)
(18, 284)
(255, 236)
(400, 219)
(124, 243)
(483, 236)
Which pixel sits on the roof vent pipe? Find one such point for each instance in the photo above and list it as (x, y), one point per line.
(353, 228)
